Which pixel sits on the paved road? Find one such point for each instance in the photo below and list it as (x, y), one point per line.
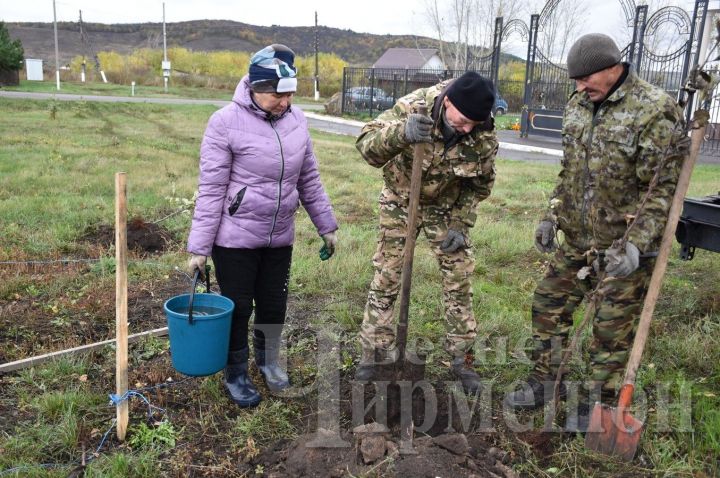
(536, 148)
(127, 99)
(509, 143)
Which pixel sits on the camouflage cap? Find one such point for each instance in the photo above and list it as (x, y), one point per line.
(591, 53)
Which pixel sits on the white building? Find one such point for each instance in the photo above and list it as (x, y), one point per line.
(34, 69)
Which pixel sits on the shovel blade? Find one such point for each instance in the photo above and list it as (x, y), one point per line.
(613, 433)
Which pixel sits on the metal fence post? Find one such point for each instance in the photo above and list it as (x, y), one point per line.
(636, 49)
(372, 89)
(696, 35)
(344, 89)
(529, 74)
(497, 41)
(394, 93)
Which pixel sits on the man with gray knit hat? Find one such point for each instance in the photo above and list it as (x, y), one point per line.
(617, 131)
(458, 173)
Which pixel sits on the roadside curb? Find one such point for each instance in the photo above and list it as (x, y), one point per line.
(332, 119)
(503, 144)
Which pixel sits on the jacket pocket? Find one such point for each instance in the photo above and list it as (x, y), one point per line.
(467, 169)
(235, 204)
(619, 155)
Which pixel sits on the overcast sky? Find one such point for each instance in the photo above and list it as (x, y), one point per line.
(371, 16)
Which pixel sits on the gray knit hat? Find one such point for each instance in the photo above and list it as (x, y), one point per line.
(591, 53)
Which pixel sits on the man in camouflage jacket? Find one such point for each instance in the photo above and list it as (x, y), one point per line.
(617, 131)
(458, 172)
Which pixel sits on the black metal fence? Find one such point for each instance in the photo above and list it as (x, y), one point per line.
(541, 98)
(512, 92)
(711, 145)
(548, 87)
(371, 90)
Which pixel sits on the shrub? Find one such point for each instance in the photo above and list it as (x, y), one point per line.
(11, 51)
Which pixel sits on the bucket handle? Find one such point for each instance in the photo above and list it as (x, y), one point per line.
(194, 286)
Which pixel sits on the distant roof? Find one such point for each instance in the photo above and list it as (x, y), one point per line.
(405, 57)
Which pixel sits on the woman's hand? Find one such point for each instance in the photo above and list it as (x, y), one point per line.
(197, 263)
(328, 249)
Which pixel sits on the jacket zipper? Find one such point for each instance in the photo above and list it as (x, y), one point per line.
(586, 176)
(282, 174)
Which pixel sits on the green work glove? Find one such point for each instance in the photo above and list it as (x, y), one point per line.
(329, 244)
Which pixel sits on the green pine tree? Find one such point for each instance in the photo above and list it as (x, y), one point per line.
(11, 51)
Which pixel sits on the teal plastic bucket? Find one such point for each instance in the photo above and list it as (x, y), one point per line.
(199, 329)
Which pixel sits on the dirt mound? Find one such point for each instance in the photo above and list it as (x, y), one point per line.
(378, 454)
(142, 237)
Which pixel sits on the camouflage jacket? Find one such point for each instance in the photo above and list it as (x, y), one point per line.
(609, 160)
(456, 179)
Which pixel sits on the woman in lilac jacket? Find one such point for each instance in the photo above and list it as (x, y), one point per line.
(256, 167)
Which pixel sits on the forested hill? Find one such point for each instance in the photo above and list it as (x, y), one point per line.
(361, 49)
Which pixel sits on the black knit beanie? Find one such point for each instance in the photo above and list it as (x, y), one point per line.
(592, 53)
(472, 95)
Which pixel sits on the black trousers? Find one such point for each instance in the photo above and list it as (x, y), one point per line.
(254, 279)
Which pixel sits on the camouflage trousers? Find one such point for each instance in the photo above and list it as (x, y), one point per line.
(614, 324)
(378, 327)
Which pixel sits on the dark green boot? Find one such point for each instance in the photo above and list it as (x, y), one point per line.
(462, 369)
(237, 380)
(535, 393)
(367, 368)
(267, 353)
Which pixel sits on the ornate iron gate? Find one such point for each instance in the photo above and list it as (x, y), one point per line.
(372, 90)
(512, 91)
(548, 87)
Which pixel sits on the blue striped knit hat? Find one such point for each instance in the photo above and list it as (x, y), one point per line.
(272, 70)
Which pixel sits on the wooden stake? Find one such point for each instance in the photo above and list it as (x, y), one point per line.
(121, 311)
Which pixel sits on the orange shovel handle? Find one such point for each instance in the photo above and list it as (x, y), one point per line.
(626, 393)
(624, 401)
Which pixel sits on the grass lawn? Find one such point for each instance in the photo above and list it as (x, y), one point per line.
(57, 166)
(113, 89)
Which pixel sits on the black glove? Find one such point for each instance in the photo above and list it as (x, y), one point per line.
(418, 129)
(454, 241)
(545, 236)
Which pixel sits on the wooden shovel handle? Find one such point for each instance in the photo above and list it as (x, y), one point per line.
(409, 251)
(662, 258)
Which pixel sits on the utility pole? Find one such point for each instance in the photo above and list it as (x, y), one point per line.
(89, 51)
(82, 40)
(165, 63)
(317, 78)
(57, 55)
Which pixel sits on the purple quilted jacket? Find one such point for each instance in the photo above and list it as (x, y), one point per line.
(254, 173)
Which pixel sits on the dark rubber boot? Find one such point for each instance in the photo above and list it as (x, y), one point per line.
(462, 369)
(267, 353)
(537, 392)
(578, 419)
(237, 380)
(367, 368)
